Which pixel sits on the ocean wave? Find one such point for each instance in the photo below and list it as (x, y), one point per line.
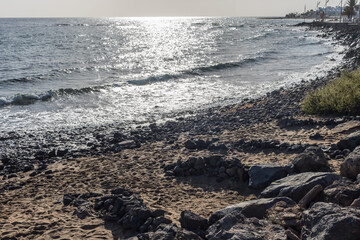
(199, 71)
(236, 26)
(27, 99)
(20, 80)
(260, 36)
(307, 43)
(71, 25)
(51, 74)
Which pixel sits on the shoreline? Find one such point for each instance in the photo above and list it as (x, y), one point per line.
(34, 149)
(137, 161)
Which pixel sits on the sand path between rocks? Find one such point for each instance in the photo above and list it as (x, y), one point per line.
(36, 211)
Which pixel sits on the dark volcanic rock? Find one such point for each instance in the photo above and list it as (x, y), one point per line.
(168, 232)
(189, 144)
(310, 196)
(184, 235)
(254, 208)
(350, 168)
(236, 226)
(128, 144)
(192, 221)
(296, 186)
(261, 176)
(312, 160)
(350, 142)
(342, 192)
(328, 221)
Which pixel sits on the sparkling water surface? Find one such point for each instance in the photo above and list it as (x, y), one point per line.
(61, 73)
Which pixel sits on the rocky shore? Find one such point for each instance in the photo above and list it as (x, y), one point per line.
(260, 169)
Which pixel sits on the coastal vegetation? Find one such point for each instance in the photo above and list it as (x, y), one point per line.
(350, 9)
(341, 96)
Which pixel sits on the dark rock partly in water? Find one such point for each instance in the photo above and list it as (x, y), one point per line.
(254, 208)
(342, 192)
(328, 221)
(312, 160)
(297, 186)
(350, 142)
(350, 168)
(236, 226)
(261, 176)
(192, 221)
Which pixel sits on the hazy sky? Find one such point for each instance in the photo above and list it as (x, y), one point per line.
(113, 8)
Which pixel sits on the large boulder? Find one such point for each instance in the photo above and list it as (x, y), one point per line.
(350, 142)
(261, 176)
(192, 221)
(254, 208)
(328, 221)
(312, 160)
(342, 192)
(296, 186)
(350, 168)
(237, 226)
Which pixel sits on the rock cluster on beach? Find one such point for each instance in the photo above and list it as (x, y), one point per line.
(303, 183)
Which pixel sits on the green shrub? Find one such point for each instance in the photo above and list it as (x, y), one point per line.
(340, 97)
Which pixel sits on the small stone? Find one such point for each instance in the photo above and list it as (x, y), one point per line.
(240, 174)
(291, 235)
(316, 136)
(338, 157)
(291, 223)
(231, 171)
(67, 200)
(178, 171)
(190, 145)
(289, 215)
(356, 203)
(12, 175)
(199, 164)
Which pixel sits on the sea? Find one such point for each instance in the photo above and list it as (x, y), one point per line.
(77, 72)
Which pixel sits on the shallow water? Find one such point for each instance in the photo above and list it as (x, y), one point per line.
(61, 73)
